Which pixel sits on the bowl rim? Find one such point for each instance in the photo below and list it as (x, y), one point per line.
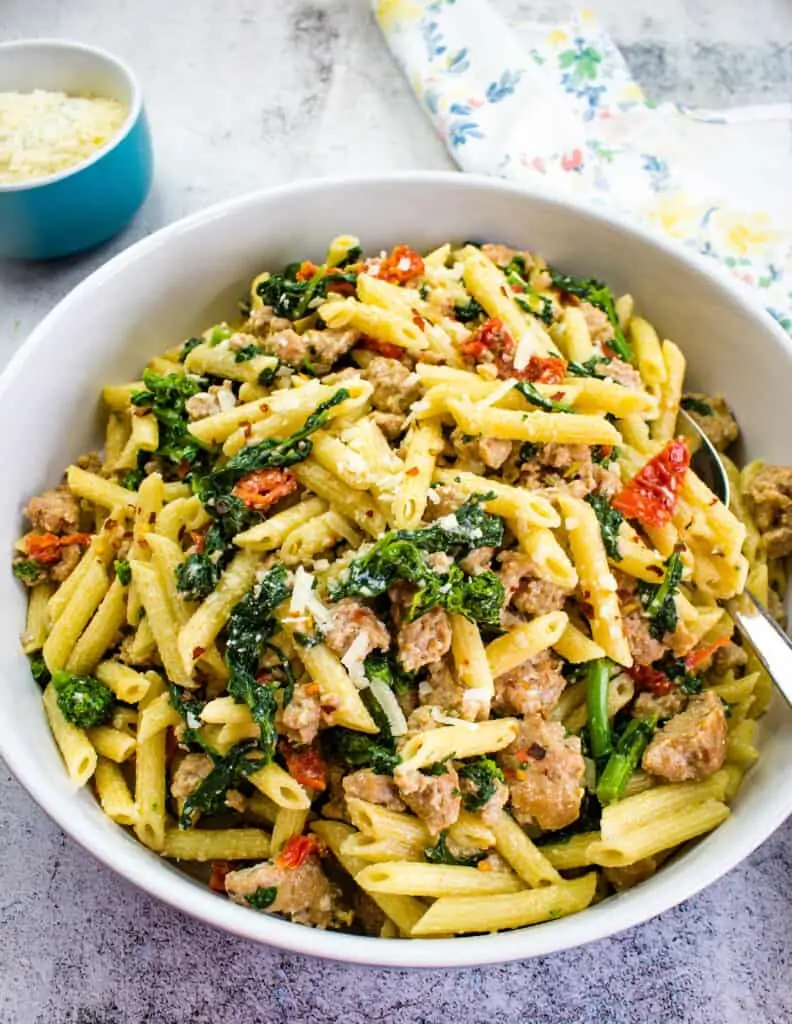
(135, 108)
(133, 864)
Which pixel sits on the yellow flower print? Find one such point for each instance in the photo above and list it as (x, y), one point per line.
(746, 233)
(391, 12)
(675, 215)
(633, 92)
(557, 37)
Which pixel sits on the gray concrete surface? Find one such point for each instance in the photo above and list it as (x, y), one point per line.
(244, 94)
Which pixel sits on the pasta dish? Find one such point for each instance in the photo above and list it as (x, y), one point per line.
(394, 605)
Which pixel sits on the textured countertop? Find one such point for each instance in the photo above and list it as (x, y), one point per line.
(248, 93)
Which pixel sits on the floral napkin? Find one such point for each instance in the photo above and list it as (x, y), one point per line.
(559, 108)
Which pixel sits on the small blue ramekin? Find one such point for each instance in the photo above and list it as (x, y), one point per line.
(83, 205)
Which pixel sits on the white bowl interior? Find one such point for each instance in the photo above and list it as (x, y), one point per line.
(185, 277)
(61, 66)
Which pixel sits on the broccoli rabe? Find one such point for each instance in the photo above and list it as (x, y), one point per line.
(197, 576)
(485, 775)
(83, 700)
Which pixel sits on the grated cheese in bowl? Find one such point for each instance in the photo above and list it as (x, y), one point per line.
(42, 133)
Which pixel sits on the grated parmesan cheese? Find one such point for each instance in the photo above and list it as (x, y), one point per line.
(304, 599)
(499, 393)
(386, 699)
(42, 133)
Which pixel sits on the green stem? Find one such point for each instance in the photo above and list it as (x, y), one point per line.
(597, 678)
(625, 759)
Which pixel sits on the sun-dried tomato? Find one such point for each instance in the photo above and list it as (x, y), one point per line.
(651, 496)
(543, 370)
(305, 765)
(400, 266)
(220, 869)
(307, 271)
(696, 658)
(382, 348)
(647, 678)
(296, 851)
(264, 488)
(45, 548)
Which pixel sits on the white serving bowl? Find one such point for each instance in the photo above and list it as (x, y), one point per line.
(174, 283)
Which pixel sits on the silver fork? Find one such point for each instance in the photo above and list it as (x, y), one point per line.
(771, 644)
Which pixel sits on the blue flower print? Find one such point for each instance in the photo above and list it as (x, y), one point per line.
(497, 91)
(457, 63)
(433, 39)
(460, 131)
(657, 170)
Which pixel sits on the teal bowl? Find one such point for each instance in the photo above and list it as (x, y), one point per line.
(87, 204)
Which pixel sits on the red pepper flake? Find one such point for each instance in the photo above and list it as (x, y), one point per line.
(647, 678)
(522, 757)
(412, 471)
(296, 851)
(307, 271)
(651, 496)
(305, 765)
(400, 266)
(198, 541)
(220, 869)
(45, 548)
(198, 652)
(382, 348)
(696, 658)
(264, 488)
(419, 321)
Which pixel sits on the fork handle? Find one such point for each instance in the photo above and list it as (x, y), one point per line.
(770, 643)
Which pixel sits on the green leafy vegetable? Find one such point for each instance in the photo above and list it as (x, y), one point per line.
(610, 519)
(263, 897)
(308, 640)
(354, 254)
(268, 374)
(599, 731)
(293, 299)
(123, 571)
(39, 670)
(190, 710)
(658, 598)
(441, 854)
(250, 626)
(28, 570)
(400, 555)
(132, 479)
(599, 295)
(528, 451)
(358, 750)
(220, 332)
(587, 368)
(208, 797)
(166, 397)
(384, 669)
(269, 453)
(188, 346)
(625, 758)
(527, 298)
(437, 768)
(677, 672)
(244, 355)
(83, 700)
(693, 404)
(485, 775)
(468, 312)
(531, 394)
(197, 576)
